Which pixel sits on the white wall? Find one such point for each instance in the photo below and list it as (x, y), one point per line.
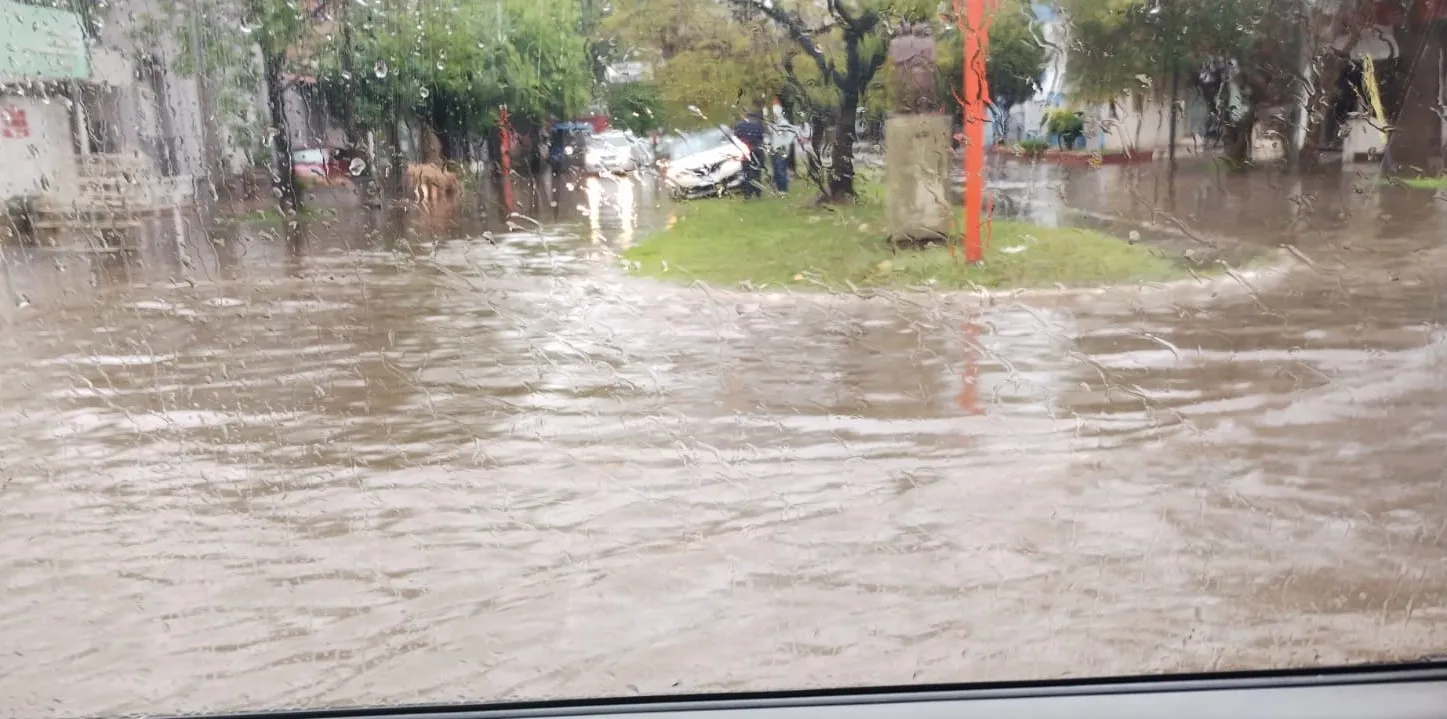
(1364, 137)
(1130, 125)
(1144, 126)
(46, 159)
(184, 100)
(1026, 117)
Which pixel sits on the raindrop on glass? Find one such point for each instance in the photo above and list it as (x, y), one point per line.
(357, 167)
(380, 69)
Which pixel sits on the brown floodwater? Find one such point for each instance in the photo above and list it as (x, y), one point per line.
(429, 458)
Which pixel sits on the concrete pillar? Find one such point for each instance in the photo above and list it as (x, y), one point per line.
(82, 123)
(917, 161)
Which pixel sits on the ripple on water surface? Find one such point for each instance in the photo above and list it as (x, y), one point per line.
(477, 470)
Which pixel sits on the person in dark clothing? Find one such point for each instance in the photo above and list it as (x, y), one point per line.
(750, 130)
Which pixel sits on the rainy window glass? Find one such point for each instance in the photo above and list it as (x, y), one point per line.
(697, 142)
(373, 352)
(308, 157)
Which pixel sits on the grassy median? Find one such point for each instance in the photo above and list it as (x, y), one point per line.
(786, 241)
(1418, 183)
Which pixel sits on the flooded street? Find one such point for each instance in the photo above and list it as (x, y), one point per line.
(332, 467)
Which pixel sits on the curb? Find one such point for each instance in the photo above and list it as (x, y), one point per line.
(1281, 265)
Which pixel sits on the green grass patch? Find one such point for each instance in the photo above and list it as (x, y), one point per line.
(1418, 183)
(270, 215)
(786, 241)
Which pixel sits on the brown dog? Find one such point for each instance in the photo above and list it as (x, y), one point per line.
(428, 181)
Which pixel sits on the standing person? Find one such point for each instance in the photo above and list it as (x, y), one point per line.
(806, 147)
(782, 138)
(751, 131)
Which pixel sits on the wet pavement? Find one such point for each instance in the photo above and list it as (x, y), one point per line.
(432, 458)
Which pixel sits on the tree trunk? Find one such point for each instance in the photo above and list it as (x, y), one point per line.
(1329, 65)
(396, 163)
(283, 178)
(813, 165)
(356, 139)
(493, 140)
(432, 152)
(1238, 138)
(841, 171)
(1414, 142)
(1320, 105)
(538, 155)
(211, 159)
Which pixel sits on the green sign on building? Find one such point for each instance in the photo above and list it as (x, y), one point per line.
(39, 43)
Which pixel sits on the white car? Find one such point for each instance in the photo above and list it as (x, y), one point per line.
(707, 162)
(615, 152)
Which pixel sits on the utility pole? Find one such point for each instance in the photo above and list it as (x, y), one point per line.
(206, 108)
(974, 26)
(1175, 100)
(1175, 80)
(363, 181)
(1296, 149)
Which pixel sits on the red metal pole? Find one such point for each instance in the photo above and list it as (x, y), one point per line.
(506, 144)
(975, 31)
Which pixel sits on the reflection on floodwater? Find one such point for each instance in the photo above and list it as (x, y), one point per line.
(395, 457)
(618, 197)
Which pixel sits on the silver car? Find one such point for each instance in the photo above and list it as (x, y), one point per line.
(707, 162)
(614, 152)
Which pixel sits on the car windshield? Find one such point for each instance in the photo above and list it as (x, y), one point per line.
(571, 135)
(613, 141)
(698, 142)
(377, 352)
(309, 157)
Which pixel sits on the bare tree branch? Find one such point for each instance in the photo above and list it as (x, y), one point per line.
(875, 63)
(794, 27)
(838, 11)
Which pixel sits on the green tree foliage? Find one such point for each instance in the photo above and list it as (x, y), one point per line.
(637, 106)
(707, 64)
(702, 87)
(276, 26)
(846, 45)
(1016, 61)
(204, 33)
(209, 45)
(716, 58)
(1133, 47)
(1123, 48)
(1067, 127)
(455, 65)
(601, 52)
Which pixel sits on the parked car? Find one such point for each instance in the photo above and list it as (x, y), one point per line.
(566, 144)
(616, 152)
(707, 162)
(324, 165)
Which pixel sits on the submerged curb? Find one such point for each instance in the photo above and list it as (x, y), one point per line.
(1246, 281)
(1281, 264)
